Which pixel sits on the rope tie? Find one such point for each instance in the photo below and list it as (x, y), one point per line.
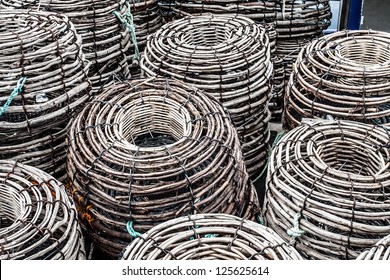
(296, 232)
(18, 89)
(128, 22)
(133, 233)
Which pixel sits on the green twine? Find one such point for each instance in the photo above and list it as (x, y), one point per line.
(127, 21)
(192, 237)
(15, 92)
(259, 219)
(276, 141)
(211, 235)
(133, 233)
(296, 232)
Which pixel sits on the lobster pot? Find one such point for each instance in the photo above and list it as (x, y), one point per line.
(301, 18)
(147, 151)
(228, 58)
(147, 19)
(43, 84)
(262, 12)
(210, 237)
(38, 219)
(345, 75)
(299, 22)
(113, 32)
(380, 251)
(328, 188)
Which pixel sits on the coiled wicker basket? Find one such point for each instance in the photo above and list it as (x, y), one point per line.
(113, 31)
(344, 75)
(380, 251)
(328, 188)
(38, 219)
(298, 22)
(301, 18)
(148, 151)
(227, 57)
(261, 12)
(210, 237)
(43, 84)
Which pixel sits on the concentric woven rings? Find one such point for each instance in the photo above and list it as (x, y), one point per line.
(328, 188)
(210, 237)
(38, 219)
(151, 150)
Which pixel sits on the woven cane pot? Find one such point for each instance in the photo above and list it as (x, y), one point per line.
(113, 32)
(38, 218)
(43, 84)
(228, 58)
(328, 188)
(345, 75)
(261, 12)
(148, 151)
(297, 23)
(210, 237)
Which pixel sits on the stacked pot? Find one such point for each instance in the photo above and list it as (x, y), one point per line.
(328, 189)
(38, 219)
(43, 84)
(298, 23)
(227, 57)
(344, 75)
(147, 151)
(113, 32)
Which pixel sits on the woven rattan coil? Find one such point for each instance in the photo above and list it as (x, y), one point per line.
(38, 219)
(345, 75)
(297, 23)
(262, 12)
(301, 18)
(380, 251)
(43, 83)
(113, 31)
(210, 237)
(227, 57)
(328, 188)
(148, 151)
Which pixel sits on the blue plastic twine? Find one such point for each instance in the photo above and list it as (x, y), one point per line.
(295, 232)
(127, 21)
(133, 233)
(18, 89)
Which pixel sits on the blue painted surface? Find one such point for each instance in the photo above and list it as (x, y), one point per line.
(355, 14)
(335, 6)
